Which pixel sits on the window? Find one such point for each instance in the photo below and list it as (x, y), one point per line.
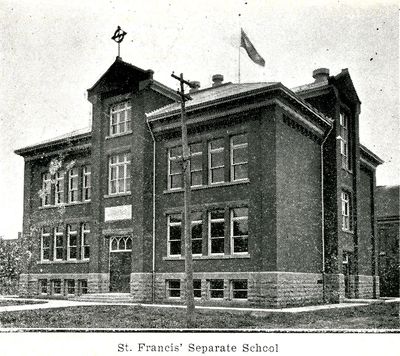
(86, 183)
(196, 164)
(120, 174)
(43, 286)
(83, 286)
(45, 255)
(70, 286)
(175, 175)
(73, 185)
(56, 286)
(197, 233)
(58, 243)
(85, 248)
(46, 189)
(174, 288)
(345, 147)
(239, 289)
(197, 288)
(72, 247)
(216, 288)
(239, 230)
(121, 244)
(174, 234)
(216, 161)
(216, 232)
(346, 212)
(239, 158)
(59, 188)
(120, 121)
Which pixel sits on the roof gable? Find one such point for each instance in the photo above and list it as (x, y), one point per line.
(119, 78)
(345, 85)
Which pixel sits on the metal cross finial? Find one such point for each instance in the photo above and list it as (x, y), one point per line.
(118, 37)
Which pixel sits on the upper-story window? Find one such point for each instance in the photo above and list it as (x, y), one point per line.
(120, 118)
(58, 243)
(196, 164)
(197, 233)
(86, 183)
(45, 244)
(46, 189)
(239, 158)
(72, 242)
(239, 230)
(216, 232)
(73, 185)
(85, 247)
(174, 234)
(175, 176)
(59, 188)
(216, 170)
(119, 174)
(345, 144)
(346, 211)
(175, 173)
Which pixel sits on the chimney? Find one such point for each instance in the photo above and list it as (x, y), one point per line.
(195, 86)
(217, 80)
(320, 74)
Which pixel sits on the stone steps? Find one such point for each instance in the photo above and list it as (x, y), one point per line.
(105, 298)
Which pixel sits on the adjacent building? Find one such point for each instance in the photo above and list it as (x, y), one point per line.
(388, 218)
(282, 195)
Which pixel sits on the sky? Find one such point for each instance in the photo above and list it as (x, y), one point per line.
(52, 51)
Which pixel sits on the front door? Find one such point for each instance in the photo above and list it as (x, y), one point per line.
(120, 264)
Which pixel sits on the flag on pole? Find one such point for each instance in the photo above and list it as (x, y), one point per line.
(251, 51)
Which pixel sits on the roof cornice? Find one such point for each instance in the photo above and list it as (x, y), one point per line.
(259, 91)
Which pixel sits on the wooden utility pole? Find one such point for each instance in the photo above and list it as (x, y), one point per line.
(186, 203)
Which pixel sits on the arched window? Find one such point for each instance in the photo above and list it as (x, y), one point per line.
(120, 243)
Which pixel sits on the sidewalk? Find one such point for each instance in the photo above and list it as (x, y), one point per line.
(52, 303)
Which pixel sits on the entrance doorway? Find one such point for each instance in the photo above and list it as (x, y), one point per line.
(120, 263)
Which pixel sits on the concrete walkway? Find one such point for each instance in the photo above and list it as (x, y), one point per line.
(53, 303)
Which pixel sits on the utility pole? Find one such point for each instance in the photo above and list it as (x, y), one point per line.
(186, 203)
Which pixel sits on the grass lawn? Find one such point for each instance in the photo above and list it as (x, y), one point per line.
(374, 316)
(7, 303)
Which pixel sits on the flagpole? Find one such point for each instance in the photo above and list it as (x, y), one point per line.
(240, 42)
(239, 65)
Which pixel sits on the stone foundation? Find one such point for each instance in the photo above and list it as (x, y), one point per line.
(265, 289)
(141, 286)
(96, 282)
(366, 287)
(334, 288)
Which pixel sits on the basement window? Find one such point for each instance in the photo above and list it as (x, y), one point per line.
(174, 288)
(56, 286)
(83, 286)
(43, 286)
(216, 289)
(239, 289)
(70, 286)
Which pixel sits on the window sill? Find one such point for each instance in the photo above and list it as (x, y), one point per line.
(64, 205)
(216, 185)
(118, 135)
(212, 257)
(117, 195)
(61, 262)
